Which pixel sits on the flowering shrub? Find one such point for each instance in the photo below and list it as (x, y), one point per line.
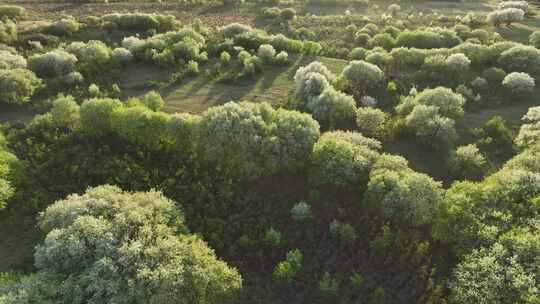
(9, 60)
(266, 52)
(52, 64)
(362, 74)
(521, 58)
(445, 100)
(311, 86)
(505, 16)
(519, 82)
(121, 55)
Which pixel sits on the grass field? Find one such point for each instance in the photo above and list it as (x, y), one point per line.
(196, 94)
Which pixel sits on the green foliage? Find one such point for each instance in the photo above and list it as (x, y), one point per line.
(272, 237)
(8, 32)
(255, 139)
(328, 286)
(62, 27)
(18, 85)
(343, 158)
(110, 245)
(12, 12)
(287, 270)
(153, 101)
(52, 64)
(468, 162)
(404, 195)
(301, 212)
(65, 112)
(96, 116)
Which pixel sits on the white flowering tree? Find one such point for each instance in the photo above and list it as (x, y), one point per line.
(371, 121)
(52, 64)
(107, 245)
(519, 83)
(506, 16)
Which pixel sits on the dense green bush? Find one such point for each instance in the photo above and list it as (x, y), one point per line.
(403, 195)
(360, 76)
(63, 27)
(467, 162)
(333, 109)
(343, 158)
(521, 59)
(141, 22)
(255, 139)
(96, 116)
(449, 104)
(430, 127)
(529, 132)
(17, 86)
(8, 32)
(371, 122)
(12, 12)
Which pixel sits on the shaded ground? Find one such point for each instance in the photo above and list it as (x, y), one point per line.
(194, 95)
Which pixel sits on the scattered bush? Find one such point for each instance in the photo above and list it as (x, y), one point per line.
(301, 212)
